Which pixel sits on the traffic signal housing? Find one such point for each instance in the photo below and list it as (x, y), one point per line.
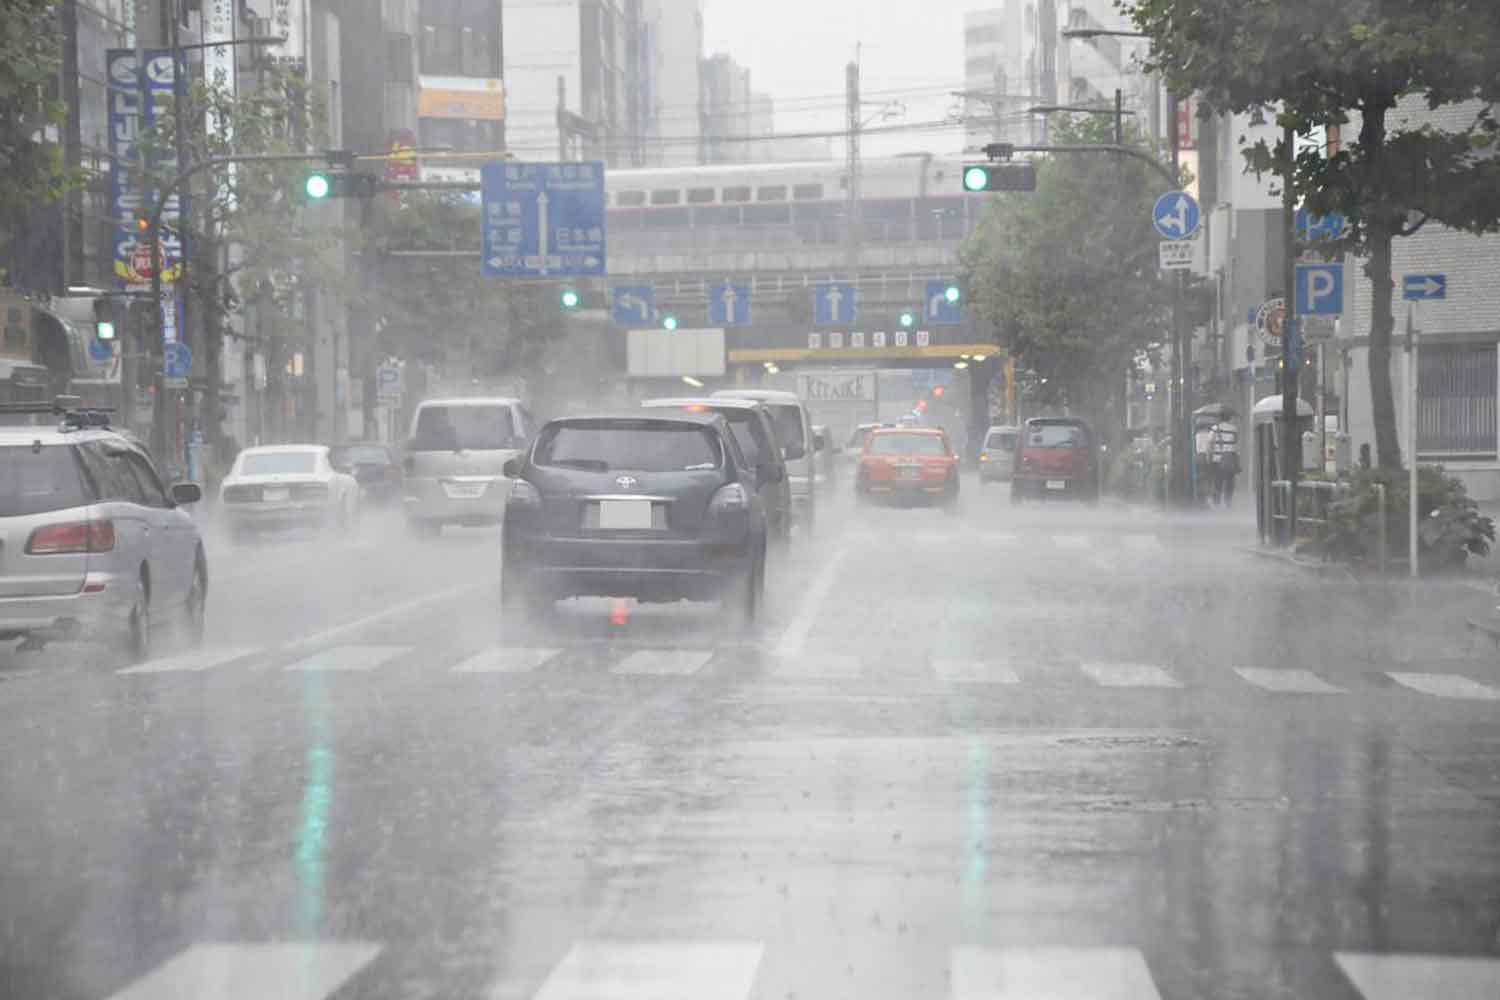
(104, 319)
(981, 177)
(320, 185)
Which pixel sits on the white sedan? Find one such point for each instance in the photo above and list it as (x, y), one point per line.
(288, 486)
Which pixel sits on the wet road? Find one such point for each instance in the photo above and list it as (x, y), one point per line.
(1055, 753)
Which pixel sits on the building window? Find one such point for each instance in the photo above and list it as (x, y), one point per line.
(740, 192)
(774, 192)
(700, 196)
(1456, 400)
(666, 196)
(807, 192)
(630, 199)
(398, 58)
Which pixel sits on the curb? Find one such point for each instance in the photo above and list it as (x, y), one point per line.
(1305, 565)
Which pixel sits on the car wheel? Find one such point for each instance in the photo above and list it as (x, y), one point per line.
(746, 593)
(195, 613)
(137, 639)
(520, 607)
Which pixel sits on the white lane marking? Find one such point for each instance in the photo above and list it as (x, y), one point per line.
(191, 662)
(664, 662)
(795, 636)
(1130, 675)
(304, 970)
(1051, 974)
(1071, 543)
(974, 672)
(999, 538)
(504, 660)
(1288, 681)
(1446, 686)
(395, 610)
(817, 667)
(661, 970)
(1405, 976)
(1142, 543)
(349, 658)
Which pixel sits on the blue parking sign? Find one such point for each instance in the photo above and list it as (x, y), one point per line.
(1320, 289)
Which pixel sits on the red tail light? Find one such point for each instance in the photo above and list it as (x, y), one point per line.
(72, 539)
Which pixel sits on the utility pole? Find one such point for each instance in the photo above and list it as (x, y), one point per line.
(1182, 412)
(1291, 334)
(851, 88)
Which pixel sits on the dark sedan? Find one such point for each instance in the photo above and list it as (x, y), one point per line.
(659, 507)
(374, 466)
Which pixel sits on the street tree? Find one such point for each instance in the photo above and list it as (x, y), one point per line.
(1364, 64)
(1066, 276)
(32, 171)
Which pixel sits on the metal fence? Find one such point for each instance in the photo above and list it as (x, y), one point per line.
(1456, 400)
(1314, 499)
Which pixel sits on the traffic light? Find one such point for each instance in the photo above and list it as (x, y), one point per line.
(104, 319)
(951, 293)
(320, 185)
(938, 391)
(908, 319)
(980, 177)
(669, 322)
(569, 299)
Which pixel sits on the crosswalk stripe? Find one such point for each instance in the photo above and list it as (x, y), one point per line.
(661, 970)
(664, 662)
(1072, 543)
(349, 658)
(1403, 976)
(818, 667)
(1288, 681)
(1446, 686)
(974, 672)
(505, 660)
(1051, 973)
(1130, 675)
(191, 662)
(302, 970)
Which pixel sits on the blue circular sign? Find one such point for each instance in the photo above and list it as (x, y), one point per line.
(1176, 215)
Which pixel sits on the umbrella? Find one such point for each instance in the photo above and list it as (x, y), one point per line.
(1216, 410)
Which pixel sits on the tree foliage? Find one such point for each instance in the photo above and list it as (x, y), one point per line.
(1066, 276)
(31, 167)
(1349, 62)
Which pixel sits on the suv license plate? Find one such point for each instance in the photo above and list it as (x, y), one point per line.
(464, 491)
(275, 494)
(1057, 484)
(625, 515)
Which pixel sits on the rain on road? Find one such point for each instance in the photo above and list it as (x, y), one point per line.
(1021, 752)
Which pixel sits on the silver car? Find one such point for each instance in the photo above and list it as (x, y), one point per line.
(998, 454)
(287, 486)
(455, 460)
(91, 543)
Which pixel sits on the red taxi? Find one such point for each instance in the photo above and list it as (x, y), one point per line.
(908, 463)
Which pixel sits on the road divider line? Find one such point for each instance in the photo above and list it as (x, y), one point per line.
(341, 659)
(795, 636)
(316, 639)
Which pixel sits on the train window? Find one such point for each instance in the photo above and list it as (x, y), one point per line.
(666, 217)
(768, 215)
(716, 215)
(772, 192)
(740, 192)
(666, 196)
(819, 211)
(807, 192)
(700, 196)
(890, 210)
(626, 199)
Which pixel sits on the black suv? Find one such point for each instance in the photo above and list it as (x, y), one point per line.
(659, 506)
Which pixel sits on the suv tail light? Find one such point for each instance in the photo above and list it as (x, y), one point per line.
(731, 498)
(524, 495)
(71, 539)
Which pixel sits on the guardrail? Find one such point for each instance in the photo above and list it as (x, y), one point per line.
(1313, 502)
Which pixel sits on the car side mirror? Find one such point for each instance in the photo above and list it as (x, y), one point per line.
(820, 442)
(771, 473)
(185, 493)
(792, 452)
(511, 469)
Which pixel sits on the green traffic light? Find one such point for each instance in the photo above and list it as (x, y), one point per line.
(951, 294)
(907, 319)
(976, 179)
(318, 186)
(104, 330)
(569, 298)
(670, 322)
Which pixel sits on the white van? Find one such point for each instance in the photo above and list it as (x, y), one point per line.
(455, 457)
(798, 443)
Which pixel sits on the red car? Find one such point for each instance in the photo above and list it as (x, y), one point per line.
(1056, 457)
(908, 463)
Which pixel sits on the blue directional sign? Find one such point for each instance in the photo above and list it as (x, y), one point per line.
(938, 308)
(833, 303)
(1320, 289)
(634, 305)
(1312, 228)
(1176, 215)
(729, 305)
(177, 359)
(542, 219)
(1423, 287)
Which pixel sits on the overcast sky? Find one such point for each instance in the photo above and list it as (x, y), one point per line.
(796, 51)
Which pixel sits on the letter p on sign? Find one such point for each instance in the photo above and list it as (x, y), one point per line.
(1320, 289)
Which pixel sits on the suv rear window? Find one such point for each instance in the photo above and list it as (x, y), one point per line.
(464, 428)
(361, 454)
(748, 432)
(38, 480)
(788, 422)
(635, 446)
(1055, 436)
(907, 444)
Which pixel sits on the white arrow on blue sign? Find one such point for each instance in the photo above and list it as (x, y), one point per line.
(1312, 228)
(634, 305)
(1176, 215)
(1320, 289)
(1423, 287)
(938, 309)
(542, 218)
(833, 303)
(729, 305)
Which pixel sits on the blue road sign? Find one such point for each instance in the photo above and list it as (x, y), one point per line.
(1176, 215)
(177, 360)
(729, 305)
(833, 303)
(936, 306)
(388, 382)
(1320, 289)
(1312, 228)
(633, 305)
(542, 219)
(1423, 287)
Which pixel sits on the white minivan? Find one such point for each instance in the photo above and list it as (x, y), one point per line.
(455, 457)
(798, 443)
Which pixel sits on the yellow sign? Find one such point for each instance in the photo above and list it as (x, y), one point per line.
(458, 97)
